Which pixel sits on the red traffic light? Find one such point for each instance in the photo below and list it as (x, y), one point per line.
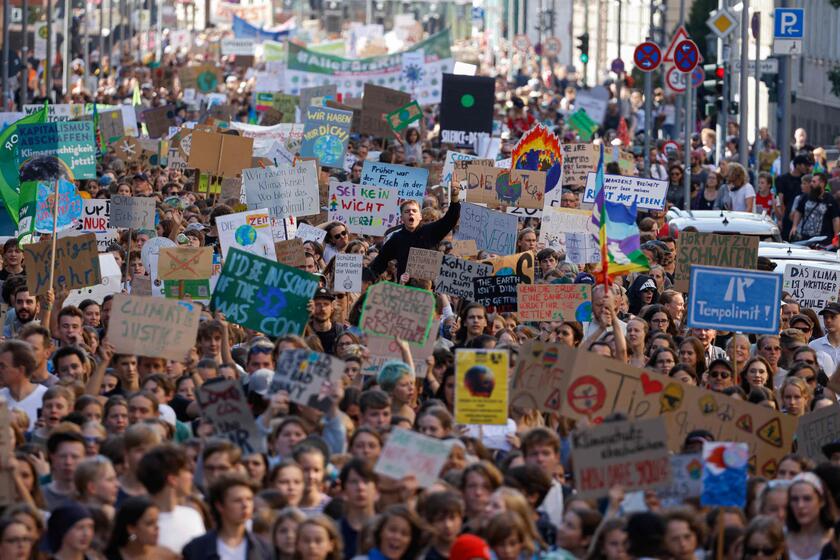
(719, 72)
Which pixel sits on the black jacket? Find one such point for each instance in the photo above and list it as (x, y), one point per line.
(204, 548)
(427, 236)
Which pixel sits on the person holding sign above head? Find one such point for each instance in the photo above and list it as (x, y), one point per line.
(413, 234)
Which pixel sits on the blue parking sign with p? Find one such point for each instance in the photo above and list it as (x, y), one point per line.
(789, 23)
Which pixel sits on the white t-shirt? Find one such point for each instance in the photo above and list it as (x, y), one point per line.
(232, 553)
(30, 403)
(178, 527)
(739, 197)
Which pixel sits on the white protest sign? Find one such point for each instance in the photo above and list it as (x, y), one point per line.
(237, 47)
(285, 191)
(411, 453)
(132, 212)
(449, 165)
(594, 101)
(310, 233)
(247, 231)
(348, 273)
(647, 193)
(812, 286)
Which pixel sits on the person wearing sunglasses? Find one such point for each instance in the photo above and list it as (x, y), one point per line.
(764, 539)
(720, 376)
(336, 240)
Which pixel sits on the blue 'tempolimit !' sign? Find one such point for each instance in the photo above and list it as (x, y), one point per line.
(734, 299)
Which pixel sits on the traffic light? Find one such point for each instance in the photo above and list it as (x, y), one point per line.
(713, 88)
(772, 83)
(583, 47)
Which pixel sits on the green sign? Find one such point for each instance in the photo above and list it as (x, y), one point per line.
(70, 144)
(263, 295)
(584, 124)
(196, 289)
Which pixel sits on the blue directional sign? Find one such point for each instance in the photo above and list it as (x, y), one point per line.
(734, 299)
(789, 23)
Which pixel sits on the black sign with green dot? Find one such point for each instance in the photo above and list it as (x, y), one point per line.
(467, 103)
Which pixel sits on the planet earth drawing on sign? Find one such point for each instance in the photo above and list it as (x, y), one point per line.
(207, 81)
(328, 149)
(245, 235)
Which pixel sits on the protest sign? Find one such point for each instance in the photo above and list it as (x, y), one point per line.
(223, 405)
(151, 326)
(423, 263)
(399, 311)
(285, 191)
(812, 286)
(453, 156)
(158, 120)
(481, 386)
(376, 102)
(497, 293)
(71, 144)
(325, 135)
(96, 219)
(220, 155)
(309, 377)
(185, 263)
(306, 67)
(566, 230)
(712, 249)
(37, 202)
(816, 429)
(725, 466)
(495, 186)
(410, 182)
(132, 212)
(492, 231)
(348, 273)
(631, 454)
(622, 388)
(237, 47)
(464, 248)
(357, 113)
(247, 231)
(541, 371)
(399, 119)
(204, 78)
(581, 159)
(686, 480)
(520, 265)
(76, 263)
(290, 252)
(263, 295)
(554, 302)
(456, 276)
(646, 193)
(718, 300)
(198, 290)
(383, 348)
(408, 453)
(306, 233)
(466, 108)
(308, 94)
(365, 210)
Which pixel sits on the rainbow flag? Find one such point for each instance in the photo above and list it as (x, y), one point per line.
(617, 233)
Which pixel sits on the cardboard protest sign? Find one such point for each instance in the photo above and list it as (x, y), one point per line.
(492, 231)
(223, 404)
(464, 248)
(481, 386)
(639, 394)
(71, 144)
(111, 125)
(554, 302)
(632, 454)
(132, 212)
(247, 231)
(646, 193)
(306, 233)
(222, 155)
(309, 377)
(725, 466)
(290, 252)
(520, 265)
(398, 311)
(382, 349)
(816, 429)
(424, 263)
(76, 263)
(365, 210)
(127, 148)
(325, 135)
(399, 119)
(495, 186)
(185, 263)
(263, 295)
(8, 491)
(376, 103)
(348, 273)
(409, 182)
(712, 249)
(285, 191)
(356, 110)
(812, 286)
(158, 120)
(411, 453)
(308, 94)
(151, 326)
(456, 276)
(540, 373)
(686, 479)
(466, 108)
(204, 78)
(581, 159)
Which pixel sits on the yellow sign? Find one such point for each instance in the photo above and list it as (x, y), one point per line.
(481, 387)
(722, 23)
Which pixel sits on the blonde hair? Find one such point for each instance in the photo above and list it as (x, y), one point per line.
(516, 503)
(800, 384)
(328, 525)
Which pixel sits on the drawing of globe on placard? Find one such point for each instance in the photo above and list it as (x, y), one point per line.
(207, 81)
(245, 235)
(328, 149)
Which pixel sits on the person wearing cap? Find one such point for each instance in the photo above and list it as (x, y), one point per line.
(470, 547)
(830, 343)
(323, 305)
(70, 532)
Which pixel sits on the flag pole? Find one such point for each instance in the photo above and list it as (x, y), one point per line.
(54, 227)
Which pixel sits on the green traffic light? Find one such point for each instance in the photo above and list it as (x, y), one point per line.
(584, 58)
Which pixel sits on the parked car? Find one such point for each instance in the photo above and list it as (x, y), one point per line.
(723, 222)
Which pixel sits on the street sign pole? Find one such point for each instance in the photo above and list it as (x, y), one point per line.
(648, 120)
(689, 120)
(24, 50)
(757, 37)
(743, 108)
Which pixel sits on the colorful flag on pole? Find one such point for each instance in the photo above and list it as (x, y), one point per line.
(617, 232)
(9, 177)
